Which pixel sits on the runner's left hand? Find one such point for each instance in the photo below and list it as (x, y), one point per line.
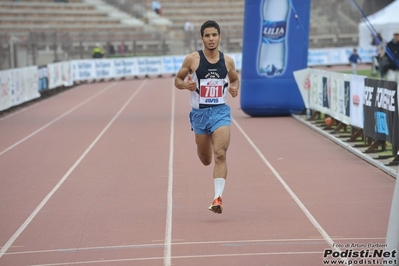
(233, 91)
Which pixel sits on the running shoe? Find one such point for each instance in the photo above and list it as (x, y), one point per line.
(216, 205)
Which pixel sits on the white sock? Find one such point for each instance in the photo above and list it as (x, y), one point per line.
(219, 186)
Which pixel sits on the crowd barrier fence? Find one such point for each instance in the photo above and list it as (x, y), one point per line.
(368, 106)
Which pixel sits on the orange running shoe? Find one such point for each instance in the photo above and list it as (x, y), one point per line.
(216, 205)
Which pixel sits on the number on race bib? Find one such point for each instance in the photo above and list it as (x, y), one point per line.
(212, 91)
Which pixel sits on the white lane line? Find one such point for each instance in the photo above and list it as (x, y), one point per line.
(31, 106)
(311, 241)
(169, 209)
(289, 190)
(58, 118)
(58, 185)
(187, 257)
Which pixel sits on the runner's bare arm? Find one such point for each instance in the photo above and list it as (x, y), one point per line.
(180, 81)
(233, 76)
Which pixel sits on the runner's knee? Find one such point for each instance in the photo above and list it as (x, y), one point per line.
(206, 161)
(220, 156)
(205, 157)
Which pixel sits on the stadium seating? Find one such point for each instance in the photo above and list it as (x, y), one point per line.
(72, 26)
(47, 15)
(82, 23)
(229, 15)
(332, 24)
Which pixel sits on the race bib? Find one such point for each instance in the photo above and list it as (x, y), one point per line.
(211, 91)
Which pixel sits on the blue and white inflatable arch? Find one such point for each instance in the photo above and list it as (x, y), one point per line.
(275, 44)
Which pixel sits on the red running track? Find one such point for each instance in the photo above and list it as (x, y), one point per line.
(107, 174)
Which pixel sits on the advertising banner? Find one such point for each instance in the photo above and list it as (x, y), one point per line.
(149, 65)
(30, 77)
(168, 66)
(124, 67)
(59, 74)
(5, 91)
(337, 56)
(326, 92)
(23, 85)
(380, 110)
(83, 70)
(339, 88)
(275, 44)
(43, 78)
(172, 64)
(16, 86)
(302, 79)
(319, 95)
(178, 62)
(103, 68)
(356, 100)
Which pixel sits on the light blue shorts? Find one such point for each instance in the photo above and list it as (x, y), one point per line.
(207, 120)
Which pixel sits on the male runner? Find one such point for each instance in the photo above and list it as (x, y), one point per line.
(210, 74)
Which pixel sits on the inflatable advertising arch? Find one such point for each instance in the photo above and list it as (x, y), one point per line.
(275, 44)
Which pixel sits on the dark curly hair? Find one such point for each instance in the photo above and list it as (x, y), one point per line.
(209, 24)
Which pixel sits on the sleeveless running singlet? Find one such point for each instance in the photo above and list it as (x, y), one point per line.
(211, 82)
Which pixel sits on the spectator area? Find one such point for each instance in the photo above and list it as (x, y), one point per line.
(47, 15)
(333, 23)
(72, 27)
(82, 23)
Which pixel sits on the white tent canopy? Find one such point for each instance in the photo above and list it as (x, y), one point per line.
(385, 21)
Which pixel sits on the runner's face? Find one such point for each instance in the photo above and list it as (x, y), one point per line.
(211, 38)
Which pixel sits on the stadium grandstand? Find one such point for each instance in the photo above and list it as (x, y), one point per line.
(36, 32)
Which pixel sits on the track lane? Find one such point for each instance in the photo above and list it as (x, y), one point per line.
(349, 198)
(342, 190)
(37, 164)
(93, 220)
(257, 208)
(31, 120)
(77, 117)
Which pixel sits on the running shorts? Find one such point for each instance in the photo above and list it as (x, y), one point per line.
(207, 120)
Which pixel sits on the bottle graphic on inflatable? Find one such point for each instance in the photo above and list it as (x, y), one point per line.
(272, 50)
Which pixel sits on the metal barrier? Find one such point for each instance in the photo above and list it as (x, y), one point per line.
(40, 48)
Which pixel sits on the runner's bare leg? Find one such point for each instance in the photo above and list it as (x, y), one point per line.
(204, 148)
(217, 143)
(220, 141)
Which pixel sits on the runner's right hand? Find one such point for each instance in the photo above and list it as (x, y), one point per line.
(191, 85)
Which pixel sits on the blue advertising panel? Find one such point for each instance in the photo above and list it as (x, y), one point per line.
(276, 42)
(381, 110)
